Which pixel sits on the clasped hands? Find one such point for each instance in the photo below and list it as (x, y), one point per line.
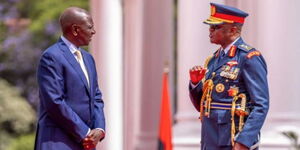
(92, 139)
(239, 146)
(196, 74)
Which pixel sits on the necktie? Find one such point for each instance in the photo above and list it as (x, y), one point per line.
(80, 61)
(222, 54)
(78, 55)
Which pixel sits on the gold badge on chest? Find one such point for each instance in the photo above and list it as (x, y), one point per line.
(220, 87)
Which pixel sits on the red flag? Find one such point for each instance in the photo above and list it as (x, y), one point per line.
(165, 126)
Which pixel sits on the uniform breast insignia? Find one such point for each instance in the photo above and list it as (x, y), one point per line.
(229, 71)
(220, 87)
(232, 63)
(254, 53)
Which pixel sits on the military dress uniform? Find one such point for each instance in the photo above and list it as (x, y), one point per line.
(234, 82)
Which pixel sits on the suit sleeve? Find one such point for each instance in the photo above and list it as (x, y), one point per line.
(254, 74)
(50, 80)
(196, 94)
(98, 106)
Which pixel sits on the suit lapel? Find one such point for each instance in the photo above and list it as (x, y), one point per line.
(72, 60)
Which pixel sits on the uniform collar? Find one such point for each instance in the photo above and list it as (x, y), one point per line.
(229, 46)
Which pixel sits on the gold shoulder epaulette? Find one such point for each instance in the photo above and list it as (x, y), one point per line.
(207, 61)
(205, 66)
(246, 47)
(253, 53)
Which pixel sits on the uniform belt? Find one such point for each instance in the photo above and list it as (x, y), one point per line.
(225, 106)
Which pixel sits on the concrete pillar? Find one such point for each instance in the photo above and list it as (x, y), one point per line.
(107, 50)
(133, 47)
(156, 45)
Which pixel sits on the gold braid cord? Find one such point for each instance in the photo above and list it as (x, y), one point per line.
(205, 66)
(207, 61)
(206, 97)
(241, 113)
(207, 89)
(235, 98)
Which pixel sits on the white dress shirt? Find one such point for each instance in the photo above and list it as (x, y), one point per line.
(73, 49)
(229, 46)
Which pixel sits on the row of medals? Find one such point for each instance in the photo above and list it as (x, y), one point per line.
(229, 73)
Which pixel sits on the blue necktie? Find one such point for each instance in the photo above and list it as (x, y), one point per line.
(222, 54)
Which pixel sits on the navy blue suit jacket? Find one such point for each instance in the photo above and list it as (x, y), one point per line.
(69, 107)
(252, 81)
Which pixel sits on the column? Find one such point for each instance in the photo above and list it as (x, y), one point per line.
(133, 48)
(157, 43)
(107, 51)
(148, 45)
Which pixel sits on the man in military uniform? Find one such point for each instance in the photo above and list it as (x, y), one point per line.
(231, 90)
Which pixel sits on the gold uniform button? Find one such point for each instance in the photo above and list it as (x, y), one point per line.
(220, 87)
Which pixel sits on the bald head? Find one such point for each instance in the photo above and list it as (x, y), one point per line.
(71, 16)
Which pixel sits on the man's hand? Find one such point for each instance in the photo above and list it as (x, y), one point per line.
(238, 146)
(88, 144)
(196, 74)
(92, 139)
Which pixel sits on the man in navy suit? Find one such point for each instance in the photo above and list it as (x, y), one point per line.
(71, 107)
(231, 90)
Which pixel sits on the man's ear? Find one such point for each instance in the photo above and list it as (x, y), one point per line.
(74, 29)
(233, 29)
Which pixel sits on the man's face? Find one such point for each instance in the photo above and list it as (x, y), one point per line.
(219, 34)
(85, 31)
